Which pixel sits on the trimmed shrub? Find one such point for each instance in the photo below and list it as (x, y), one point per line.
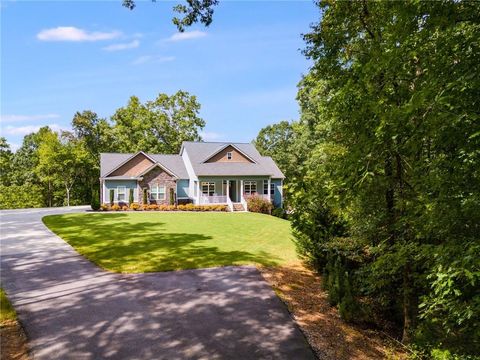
(258, 204)
(130, 197)
(104, 207)
(115, 207)
(172, 197)
(124, 207)
(134, 206)
(95, 204)
(112, 197)
(279, 212)
(145, 197)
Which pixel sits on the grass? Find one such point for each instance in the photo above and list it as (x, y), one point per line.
(7, 313)
(162, 241)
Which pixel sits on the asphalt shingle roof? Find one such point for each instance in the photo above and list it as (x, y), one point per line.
(110, 161)
(198, 152)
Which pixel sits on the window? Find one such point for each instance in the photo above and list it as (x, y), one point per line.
(208, 188)
(157, 192)
(250, 187)
(229, 155)
(121, 193)
(265, 188)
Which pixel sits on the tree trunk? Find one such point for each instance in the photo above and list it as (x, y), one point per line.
(389, 199)
(409, 304)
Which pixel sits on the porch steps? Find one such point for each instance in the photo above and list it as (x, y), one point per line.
(238, 207)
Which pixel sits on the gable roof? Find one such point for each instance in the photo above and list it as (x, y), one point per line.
(221, 148)
(172, 163)
(199, 152)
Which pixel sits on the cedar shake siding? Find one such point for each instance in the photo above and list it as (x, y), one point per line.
(222, 156)
(157, 176)
(134, 166)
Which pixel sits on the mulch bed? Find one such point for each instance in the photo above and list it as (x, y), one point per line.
(13, 342)
(329, 336)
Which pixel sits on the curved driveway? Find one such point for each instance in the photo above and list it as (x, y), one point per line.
(71, 309)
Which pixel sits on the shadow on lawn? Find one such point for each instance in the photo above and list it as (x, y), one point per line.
(143, 247)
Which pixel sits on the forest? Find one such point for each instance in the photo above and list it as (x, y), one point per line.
(382, 167)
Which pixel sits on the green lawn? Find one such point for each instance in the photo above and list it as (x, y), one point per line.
(7, 313)
(161, 241)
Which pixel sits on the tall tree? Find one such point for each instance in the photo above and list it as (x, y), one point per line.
(6, 156)
(158, 126)
(392, 102)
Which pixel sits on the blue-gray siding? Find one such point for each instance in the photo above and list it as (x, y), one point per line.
(182, 188)
(114, 184)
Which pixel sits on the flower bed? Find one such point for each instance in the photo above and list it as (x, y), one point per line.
(153, 207)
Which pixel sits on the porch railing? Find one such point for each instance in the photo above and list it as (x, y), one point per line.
(213, 199)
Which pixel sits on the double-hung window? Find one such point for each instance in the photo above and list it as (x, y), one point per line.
(157, 192)
(121, 193)
(265, 188)
(208, 188)
(229, 155)
(250, 187)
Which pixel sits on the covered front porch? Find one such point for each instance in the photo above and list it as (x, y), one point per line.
(230, 191)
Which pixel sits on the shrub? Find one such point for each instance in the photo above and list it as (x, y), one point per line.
(21, 196)
(130, 197)
(95, 204)
(279, 212)
(134, 206)
(115, 207)
(112, 196)
(171, 208)
(104, 207)
(348, 307)
(163, 207)
(152, 207)
(145, 197)
(189, 207)
(172, 197)
(182, 207)
(124, 207)
(258, 204)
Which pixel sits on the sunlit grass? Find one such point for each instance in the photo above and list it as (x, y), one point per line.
(161, 241)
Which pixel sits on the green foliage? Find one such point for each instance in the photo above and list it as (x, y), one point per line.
(6, 156)
(20, 196)
(95, 203)
(279, 212)
(258, 204)
(130, 196)
(7, 312)
(145, 196)
(172, 197)
(112, 197)
(168, 121)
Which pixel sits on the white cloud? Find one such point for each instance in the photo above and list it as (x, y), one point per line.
(27, 129)
(187, 35)
(10, 118)
(211, 136)
(71, 33)
(124, 46)
(152, 59)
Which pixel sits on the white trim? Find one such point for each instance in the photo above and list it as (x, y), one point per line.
(130, 158)
(124, 193)
(158, 192)
(223, 148)
(229, 155)
(208, 184)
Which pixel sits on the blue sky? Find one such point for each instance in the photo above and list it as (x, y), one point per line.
(61, 57)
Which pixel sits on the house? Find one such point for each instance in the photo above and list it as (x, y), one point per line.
(202, 173)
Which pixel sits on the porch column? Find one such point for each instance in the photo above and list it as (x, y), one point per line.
(241, 189)
(198, 192)
(269, 192)
(228, 190)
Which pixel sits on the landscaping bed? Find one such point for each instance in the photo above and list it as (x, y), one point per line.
(155, 207)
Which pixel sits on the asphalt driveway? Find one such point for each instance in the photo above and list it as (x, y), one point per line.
(71, 309)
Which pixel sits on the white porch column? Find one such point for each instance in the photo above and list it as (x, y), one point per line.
(241, 189)
(228, 190)
(269, 195)
(198, 192)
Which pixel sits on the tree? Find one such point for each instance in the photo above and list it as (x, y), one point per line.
(5, 162)
(60, 161)
(158, 126)
(391, 107)
(194, 11)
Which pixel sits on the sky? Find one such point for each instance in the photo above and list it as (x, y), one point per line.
(61, 57)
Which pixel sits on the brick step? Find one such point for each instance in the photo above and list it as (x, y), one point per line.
(238, 207)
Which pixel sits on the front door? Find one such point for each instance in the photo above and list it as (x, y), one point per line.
(232, 190)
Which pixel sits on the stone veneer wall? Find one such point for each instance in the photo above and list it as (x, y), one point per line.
(157, 175)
